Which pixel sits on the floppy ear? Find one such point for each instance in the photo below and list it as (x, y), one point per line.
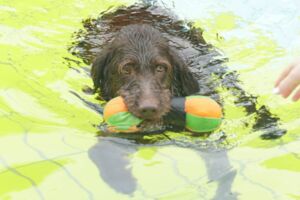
(184, 83)
(99, 72)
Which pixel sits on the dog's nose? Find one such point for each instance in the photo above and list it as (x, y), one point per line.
(148, 110)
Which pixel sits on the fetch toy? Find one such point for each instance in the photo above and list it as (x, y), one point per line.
(195, 113)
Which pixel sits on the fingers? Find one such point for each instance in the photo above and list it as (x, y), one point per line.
(284, 74)
(296, 96)
(290, 81)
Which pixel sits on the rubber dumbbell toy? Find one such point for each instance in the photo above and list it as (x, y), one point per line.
(195, 113)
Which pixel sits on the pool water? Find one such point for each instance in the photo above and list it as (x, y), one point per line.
(49, 147)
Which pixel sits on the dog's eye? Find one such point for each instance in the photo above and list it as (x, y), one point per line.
(127, 69)
(160, 68)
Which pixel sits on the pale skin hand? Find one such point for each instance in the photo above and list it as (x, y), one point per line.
(288, 81)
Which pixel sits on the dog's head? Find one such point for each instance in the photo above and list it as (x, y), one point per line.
(140, 66)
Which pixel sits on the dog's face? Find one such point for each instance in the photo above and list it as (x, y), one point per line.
(140, 66)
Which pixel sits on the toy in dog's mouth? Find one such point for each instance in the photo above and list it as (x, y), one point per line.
(194, 113)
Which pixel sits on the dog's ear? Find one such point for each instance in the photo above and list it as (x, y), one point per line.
(100, 71)
(184, 81)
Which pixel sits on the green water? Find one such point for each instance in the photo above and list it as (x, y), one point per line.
(47, 133)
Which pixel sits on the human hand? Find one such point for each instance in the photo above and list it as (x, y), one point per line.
(288, 81)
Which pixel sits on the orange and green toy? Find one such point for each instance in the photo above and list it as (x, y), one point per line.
(195, 113)
(202, 114)
(118, 118)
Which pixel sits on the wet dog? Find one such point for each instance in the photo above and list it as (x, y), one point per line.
(140, 66)
(147, 55)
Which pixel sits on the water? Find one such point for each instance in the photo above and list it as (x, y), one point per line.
(49, 148)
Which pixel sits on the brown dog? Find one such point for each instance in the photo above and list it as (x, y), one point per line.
(140, 66)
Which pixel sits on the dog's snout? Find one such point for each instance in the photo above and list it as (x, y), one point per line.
(148, 109)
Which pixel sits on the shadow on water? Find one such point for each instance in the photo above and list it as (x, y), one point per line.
(111, 154)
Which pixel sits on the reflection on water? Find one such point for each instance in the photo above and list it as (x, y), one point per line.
(116, 152)
(49, 118)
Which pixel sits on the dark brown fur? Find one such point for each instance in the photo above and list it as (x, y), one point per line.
(140, 66)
